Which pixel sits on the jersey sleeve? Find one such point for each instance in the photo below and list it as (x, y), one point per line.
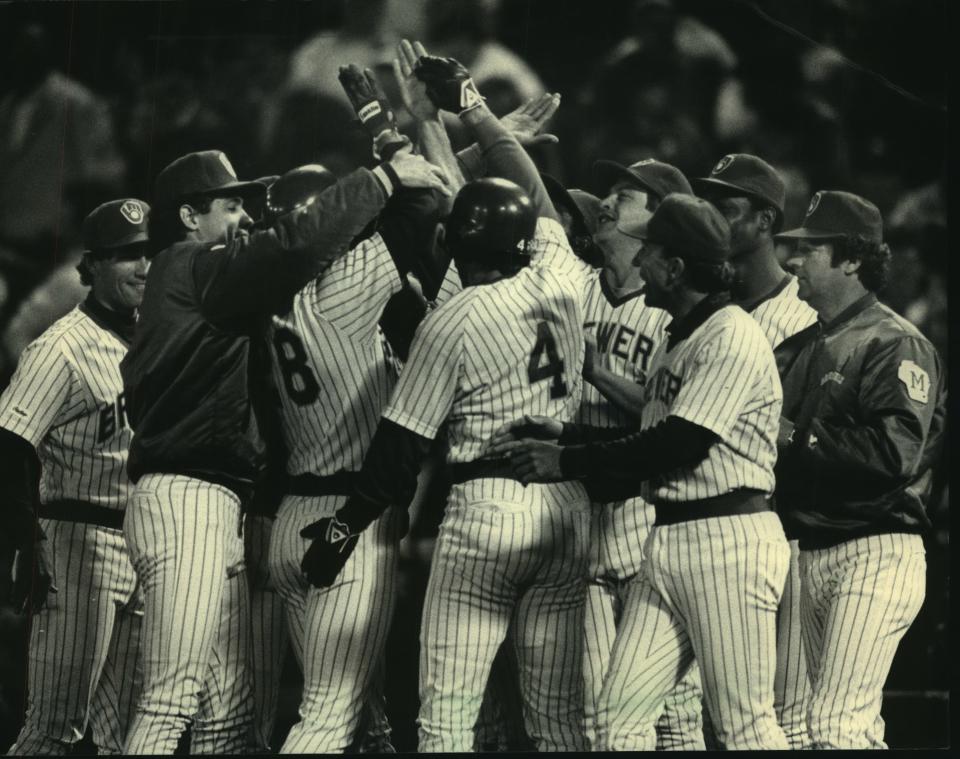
(721, 377)
(39, 394)
(450, 285)
(428, 384)
(900, 394)
(352, 293)
(551, 248)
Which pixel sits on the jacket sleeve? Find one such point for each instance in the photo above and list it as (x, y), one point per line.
(900, 394)
(407, 226)
(260, 273)
(19, 478)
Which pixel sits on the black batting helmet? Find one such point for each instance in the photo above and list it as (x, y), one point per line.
(298, 188)
(491, 219)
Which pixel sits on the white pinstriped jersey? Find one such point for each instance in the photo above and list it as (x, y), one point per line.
(329, 361)
(722, 377)
(628, 332)
(783, 314)
(66, 398)
(495, 352)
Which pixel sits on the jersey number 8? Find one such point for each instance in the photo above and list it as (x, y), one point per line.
(552, 369)
(298, 380)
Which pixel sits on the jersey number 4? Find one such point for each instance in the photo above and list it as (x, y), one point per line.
(298, 380)
(552, 368)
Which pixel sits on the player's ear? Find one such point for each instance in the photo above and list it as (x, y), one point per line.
(766, 218)
(188, 217)
(439, 236)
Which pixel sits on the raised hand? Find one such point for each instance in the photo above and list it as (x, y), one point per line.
(449, 85)
(526, 121)
(416, 171)
(373, 109)
(412, 90)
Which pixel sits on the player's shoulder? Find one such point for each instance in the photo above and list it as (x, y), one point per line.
(451, 316)
(731, 323)
(63, 336)
(890, 327)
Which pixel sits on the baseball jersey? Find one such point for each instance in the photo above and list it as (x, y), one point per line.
(722, 377)
(330, 364)
(783, 314)
(66, 398)
(495, 352)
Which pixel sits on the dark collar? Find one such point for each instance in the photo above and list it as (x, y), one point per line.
(778, 288)
(121, 323)
(859, 305)
(612, 298)
(682, 328)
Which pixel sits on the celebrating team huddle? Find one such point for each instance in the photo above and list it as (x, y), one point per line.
(686, 487)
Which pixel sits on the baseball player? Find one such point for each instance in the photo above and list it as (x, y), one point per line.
(623, 334)
(716, 558)
(66, 405)
(507, 557)
(335, 379)
(864, 413)
(750, 195)
(191, 383)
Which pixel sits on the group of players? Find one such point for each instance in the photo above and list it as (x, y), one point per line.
(613, 545)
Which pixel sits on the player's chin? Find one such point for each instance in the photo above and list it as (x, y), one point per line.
(132, 294)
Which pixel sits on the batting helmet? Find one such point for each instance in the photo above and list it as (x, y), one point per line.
(298, 188)
(491, 218)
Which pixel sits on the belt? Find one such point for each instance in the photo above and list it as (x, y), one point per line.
(474, 470)
(81, 511)
(730, 504)
(340, 483)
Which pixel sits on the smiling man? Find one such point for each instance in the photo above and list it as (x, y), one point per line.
(65, 405)
(195, 379)
(864, 414)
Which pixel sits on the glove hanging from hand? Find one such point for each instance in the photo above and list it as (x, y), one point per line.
(333, 542)
(449, 84)
(373, 109)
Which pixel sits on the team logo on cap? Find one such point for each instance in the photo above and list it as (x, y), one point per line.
(722, 164)
(814, 202)
(132, 211)
(226, 164)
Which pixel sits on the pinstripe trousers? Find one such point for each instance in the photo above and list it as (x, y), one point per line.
(84, 643)
(268, 640)
(858, 599)
(499, 567)
(709, 593)
(185, 545)
(339, 633)
(791, 685)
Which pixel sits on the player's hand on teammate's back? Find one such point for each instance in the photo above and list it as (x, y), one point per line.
(533, 460)
(589, 356)
(416, 171)
(412, 90)
(530, 426)
(526, 121)
(32, 580)
(449, 84)
(333, 542)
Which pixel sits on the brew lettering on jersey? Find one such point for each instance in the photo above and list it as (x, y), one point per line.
(665, 386)
(112, 418)
(624, 342)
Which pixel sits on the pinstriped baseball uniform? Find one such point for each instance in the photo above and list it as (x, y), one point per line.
(507, 556)
(782, 315)
(66, 398)
(334, 378)
(711, 586)
(627, 333)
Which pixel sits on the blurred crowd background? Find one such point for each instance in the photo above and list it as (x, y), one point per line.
(97, 97)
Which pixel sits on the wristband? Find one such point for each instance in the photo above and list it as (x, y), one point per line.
(391, 175)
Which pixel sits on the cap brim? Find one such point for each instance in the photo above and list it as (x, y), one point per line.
(805, 233)
(134, 241)
(608, 173)
(732, 190)
(556, 190)
(238, 189)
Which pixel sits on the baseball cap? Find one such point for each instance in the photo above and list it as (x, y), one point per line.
(583, 206)
(833, 213)
(654, 176)
(116, 224)
(207, 172)
(742, 173)
(691, 227)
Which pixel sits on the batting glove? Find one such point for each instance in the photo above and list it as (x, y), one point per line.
(373, 109)
(449, 85)
(333, 542)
